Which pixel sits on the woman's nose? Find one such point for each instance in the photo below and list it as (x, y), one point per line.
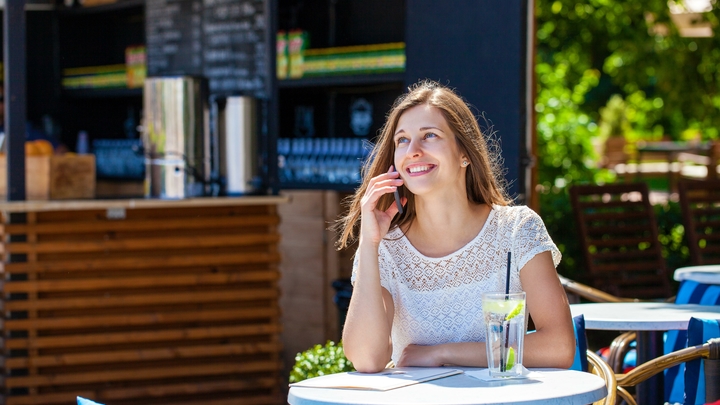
(414, 150)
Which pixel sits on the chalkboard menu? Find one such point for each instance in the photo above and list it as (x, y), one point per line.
(222, 40)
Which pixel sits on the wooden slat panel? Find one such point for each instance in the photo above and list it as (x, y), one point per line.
(136, 355)
(141, 225)
(144, 244)
(117, 283)
(140, 374)
(156, 318)
(141, 263)
(172, 306)
(99, 339)
(144, 299)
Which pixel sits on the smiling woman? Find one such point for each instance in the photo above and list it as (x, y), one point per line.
(419, 272)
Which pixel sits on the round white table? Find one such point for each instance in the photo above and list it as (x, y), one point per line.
(650, 320)
(549, 386)
(709, 274)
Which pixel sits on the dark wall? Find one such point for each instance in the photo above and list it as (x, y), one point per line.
(477, 47)
(42, 82)
(40, 74)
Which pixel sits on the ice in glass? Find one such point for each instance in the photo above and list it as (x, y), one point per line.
(505, 325)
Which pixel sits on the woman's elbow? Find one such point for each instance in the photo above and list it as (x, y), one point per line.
(364, 361)
(565, 354)
(567, 357)
(368, 365)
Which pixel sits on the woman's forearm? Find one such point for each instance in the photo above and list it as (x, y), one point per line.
(366, 334)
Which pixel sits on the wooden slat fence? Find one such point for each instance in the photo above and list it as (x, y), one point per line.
(166, 306)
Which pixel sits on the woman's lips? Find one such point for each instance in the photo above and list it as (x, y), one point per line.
(419, 169)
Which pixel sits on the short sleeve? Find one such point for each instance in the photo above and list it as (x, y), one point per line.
(531, 238)
(383, 264)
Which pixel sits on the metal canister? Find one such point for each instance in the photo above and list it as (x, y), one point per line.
(176, 137)
(238, 147)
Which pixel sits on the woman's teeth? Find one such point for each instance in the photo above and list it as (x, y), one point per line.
(418, 169)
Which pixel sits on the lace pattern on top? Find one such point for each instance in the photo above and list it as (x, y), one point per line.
(438, 300)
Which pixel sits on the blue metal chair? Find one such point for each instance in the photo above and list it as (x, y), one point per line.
(586, 360)
(83, 401)
(690, 292)
(702, 376)
(702, 363)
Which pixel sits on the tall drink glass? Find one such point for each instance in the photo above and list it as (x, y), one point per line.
(505, 325)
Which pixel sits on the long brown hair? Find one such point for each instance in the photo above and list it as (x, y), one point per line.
(484, 180)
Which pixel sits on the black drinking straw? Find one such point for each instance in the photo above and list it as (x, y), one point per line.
(506, 325)
(507, 277)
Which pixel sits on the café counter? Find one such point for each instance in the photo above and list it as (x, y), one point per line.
(141, 301)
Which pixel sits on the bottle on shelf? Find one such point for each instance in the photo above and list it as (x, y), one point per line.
(82, 146)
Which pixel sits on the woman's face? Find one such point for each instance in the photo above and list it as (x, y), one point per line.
(426, 151)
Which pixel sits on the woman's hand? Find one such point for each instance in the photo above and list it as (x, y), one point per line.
(375, 223)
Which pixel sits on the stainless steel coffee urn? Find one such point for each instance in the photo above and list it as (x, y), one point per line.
(236, 157)
(176, 137)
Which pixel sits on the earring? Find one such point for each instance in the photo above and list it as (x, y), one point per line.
(465, 163)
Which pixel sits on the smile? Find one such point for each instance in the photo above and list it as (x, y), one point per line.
(419, 169)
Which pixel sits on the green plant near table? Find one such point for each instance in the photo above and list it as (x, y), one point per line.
(320, 360)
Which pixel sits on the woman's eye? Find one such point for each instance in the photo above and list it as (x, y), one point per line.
(402, 140)
(430, 135)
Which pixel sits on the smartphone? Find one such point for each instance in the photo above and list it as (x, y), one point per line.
(397, 200)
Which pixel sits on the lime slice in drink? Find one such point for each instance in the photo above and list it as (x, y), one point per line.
(510, 359)
(501, 306)
(515, 312)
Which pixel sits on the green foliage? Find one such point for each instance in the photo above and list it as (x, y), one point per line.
(635, 47)
(596, 59)
(672, 235)
(613, 117)
(320, 360)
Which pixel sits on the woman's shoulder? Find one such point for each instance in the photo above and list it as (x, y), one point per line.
(514, 211)
(517, 217)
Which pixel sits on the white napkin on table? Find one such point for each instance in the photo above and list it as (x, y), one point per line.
(483, 374)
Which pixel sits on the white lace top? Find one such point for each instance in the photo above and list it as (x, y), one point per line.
(437, 300)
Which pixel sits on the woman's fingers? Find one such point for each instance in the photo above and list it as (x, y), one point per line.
(383, 184)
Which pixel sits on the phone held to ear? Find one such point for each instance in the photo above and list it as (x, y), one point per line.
(397, 201)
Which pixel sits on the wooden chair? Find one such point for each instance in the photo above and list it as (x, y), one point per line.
(590, 293)
(700, 205)
(600, 368)
(619, 238)
(709, 351)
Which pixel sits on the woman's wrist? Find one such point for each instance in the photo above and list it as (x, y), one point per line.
(367, 245)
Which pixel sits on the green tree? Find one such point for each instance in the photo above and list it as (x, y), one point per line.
(592, 51)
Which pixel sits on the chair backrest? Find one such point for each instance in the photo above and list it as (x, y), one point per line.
(84, 401)
(574, 288)
(599, 367)
(700, 205)
(586, 360)
(619, 238)
(580, 363)
(690, 292)
(699, 332)
(688, 355)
